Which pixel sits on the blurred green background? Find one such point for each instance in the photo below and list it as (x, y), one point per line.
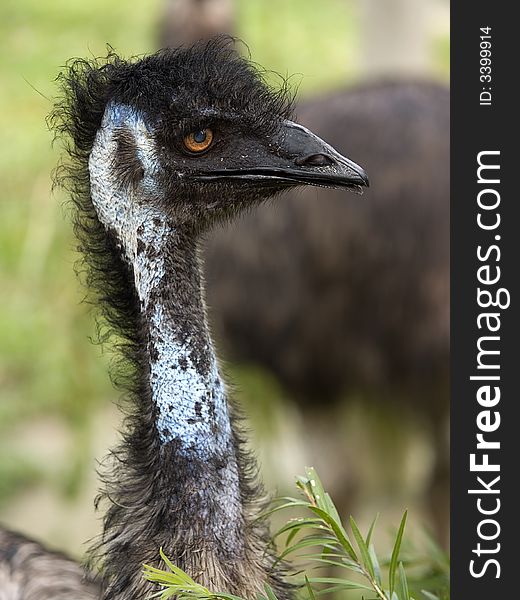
(56, 402)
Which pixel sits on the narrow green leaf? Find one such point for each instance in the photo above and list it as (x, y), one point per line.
(333, 563)
(304, 484)
(370, 531)
(345, 583)
(311, 486)
(322, 497)
(331, 507)
(270, 593)
(338, 530)
(324, 540)
(306, 543)
(291, 537)
(179, 572)
(395, 554)
(336, 588)
(309, 589)
(291, 504)
(402, 584)
(375, 562)
(299, 523)
(158, 594)
(365, 555)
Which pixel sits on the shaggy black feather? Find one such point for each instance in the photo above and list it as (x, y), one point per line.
(146, 484)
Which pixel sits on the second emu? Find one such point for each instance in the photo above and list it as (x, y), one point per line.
(357, 292)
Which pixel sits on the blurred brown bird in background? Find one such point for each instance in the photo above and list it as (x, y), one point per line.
(374, 274)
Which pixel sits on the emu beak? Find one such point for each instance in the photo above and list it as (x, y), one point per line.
(296, 156)
(317, 163)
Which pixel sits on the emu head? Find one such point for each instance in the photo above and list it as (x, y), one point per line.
(197, 135)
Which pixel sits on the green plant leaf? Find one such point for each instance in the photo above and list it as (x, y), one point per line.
(306, 542)
(269, 592)
(338, 530)
(291, 503)
(339, 552)
(332, 563)
(395, 554)
(341, 582)
(375, 562)
(310, 591)
(333, 589)
(299, 523)
(365, 554)
(402, 584)
(313, 487)
(371, 529)
(180, 573)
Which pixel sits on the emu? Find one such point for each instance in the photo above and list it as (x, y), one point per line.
(374, 275)
(163, 149)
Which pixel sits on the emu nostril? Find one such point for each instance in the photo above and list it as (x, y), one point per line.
(314, 160)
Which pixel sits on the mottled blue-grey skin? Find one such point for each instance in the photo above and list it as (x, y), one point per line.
(181, 392)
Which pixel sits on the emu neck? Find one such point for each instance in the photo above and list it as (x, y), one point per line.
(187, 392)
(186, 388)
(181, 479)
(182, 439)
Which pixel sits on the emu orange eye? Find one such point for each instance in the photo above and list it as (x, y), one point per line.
(198, 141)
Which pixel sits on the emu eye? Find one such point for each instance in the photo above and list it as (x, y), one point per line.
(198, 141)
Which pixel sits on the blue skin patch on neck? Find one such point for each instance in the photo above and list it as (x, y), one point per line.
(192, 406)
